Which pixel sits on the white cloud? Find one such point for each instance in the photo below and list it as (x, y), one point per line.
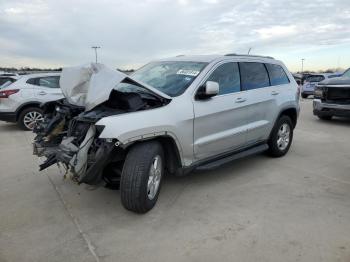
(13, 11)
(277, 31)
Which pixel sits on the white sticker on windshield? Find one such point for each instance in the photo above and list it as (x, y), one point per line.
(187, 72)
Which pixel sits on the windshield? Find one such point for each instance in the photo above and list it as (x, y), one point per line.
(314, 78)
(171, 78)
(346, 73)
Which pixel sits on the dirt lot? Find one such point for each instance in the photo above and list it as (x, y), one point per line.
(296, 208)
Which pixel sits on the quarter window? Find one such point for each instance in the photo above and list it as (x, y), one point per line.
(227, 75)
(277, 75)
(5, 80)
(253, 75)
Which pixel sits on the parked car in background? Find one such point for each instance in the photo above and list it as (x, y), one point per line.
(20, 100)
(310, 82)
(173, 115)
(332, 97)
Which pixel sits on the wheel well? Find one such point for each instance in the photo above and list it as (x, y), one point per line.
(171, 152)
(25, 106)
(292, 113)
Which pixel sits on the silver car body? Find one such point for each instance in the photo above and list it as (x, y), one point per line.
(202, 129)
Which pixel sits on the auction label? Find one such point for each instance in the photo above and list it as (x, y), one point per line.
(187, 72)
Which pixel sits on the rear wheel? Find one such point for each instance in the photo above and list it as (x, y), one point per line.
(281, 137)
(304, 95)
(325, 117)
(29, 117)
(141, 176)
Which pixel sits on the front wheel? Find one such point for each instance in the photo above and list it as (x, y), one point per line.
(142, 176)
(281, 137)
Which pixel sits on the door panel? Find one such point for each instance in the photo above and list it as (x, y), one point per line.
(220, 122)
(47, 89)
(262, 106)
(220, 125)
(261, 103)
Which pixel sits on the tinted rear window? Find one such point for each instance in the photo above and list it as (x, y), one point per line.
(315, 78)
(253, 75)
(277, 75)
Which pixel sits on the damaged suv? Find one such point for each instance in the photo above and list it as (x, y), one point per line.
(173, 115)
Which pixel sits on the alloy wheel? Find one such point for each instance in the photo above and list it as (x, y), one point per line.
(155, 175)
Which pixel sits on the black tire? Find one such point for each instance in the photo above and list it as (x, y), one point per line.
(136, 172)
(304, 95)
(327, 118)
(274, 149)
(24, 112)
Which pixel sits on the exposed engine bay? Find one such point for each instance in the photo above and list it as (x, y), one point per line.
(69, 137)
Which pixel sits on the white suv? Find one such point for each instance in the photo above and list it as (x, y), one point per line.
(172, 115)
(20, 101)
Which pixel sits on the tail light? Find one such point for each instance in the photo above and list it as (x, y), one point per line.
(7, 93)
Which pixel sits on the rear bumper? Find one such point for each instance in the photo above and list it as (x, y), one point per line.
(326, 109)
(8, 116)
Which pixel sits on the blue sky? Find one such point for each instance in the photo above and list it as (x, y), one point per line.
(60, 33)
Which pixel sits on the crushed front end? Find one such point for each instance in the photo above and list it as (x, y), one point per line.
(69, 137)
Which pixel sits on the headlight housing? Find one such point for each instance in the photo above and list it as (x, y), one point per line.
(319, 92)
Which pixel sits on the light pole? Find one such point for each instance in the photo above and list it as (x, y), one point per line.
(302, 65)
(95, 47)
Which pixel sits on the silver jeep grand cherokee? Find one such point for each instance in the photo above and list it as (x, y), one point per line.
(173, 115)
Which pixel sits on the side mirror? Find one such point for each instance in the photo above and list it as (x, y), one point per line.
(208, 90)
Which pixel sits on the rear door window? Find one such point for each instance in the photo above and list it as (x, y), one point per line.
(277, 75)
(227, 76)
(253, 75)
(50, 81)
(315, 78)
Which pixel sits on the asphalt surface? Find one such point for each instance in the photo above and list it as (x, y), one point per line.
(296, 208)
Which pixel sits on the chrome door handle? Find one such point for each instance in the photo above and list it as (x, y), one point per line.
(240, 100)
(274, 93)
(42, 93)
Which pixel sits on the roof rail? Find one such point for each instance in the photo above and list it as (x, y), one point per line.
(233, 54)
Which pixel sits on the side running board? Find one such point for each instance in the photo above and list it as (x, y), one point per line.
(221, 161)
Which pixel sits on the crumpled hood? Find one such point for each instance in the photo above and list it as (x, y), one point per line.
(91, 84)
(336, 81)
